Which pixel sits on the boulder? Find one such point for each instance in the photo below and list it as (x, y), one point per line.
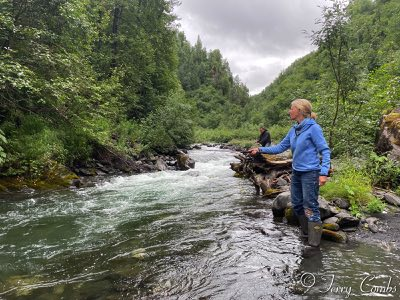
(345, 220)
(237, 167)
(161, 165)
(331, 226)
(184, 162)
(335, 236)
(331, 220)
(280, 203)
(371, 223)
(291, 216)
(334, 209)
(324, 208)
(341, 203)
(392, 199)
(388, 138)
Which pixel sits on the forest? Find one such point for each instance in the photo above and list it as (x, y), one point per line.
(76, 74)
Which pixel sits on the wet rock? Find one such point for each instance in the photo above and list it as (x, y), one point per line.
(350, 229)
(341, 203)
(281, 182)
(237, 167)
(139, 253)
(371, 223)
(86, 171)
(161, 165)
(76, 183)
(184, 162)
(331, 226)
(291, 217)
(346, 220)
(280, 203)
(335, 236)
(392, 199)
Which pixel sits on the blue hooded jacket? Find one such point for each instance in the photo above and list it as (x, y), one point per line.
(307, 143)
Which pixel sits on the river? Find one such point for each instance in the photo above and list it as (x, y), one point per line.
(196, 234)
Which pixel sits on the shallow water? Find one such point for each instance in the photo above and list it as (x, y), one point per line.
(199, 234)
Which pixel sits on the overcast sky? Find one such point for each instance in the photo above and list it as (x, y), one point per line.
(259, 38)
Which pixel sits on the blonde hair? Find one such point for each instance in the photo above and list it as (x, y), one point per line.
(305, 107)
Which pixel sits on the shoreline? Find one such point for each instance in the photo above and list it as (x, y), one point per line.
(271, 179)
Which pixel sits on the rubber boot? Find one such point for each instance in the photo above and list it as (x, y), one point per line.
(303, 220)
(314, 233)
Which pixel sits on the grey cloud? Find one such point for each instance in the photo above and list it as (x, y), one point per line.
(252, 30)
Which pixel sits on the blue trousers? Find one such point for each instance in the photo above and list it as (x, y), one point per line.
(304, 192)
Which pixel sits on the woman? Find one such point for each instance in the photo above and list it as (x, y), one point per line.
(307, 143)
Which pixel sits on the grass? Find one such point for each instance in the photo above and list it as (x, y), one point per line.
(352, 182)
(245, 137)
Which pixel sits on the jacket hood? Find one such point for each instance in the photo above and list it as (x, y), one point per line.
(304, 125)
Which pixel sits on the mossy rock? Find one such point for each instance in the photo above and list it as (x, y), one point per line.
(331, 226)
(271, 193)
(291, 216)
(48, 180)
(238, 175)
(335, 236)
(392, 119)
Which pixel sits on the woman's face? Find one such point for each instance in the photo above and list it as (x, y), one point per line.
(294, 113)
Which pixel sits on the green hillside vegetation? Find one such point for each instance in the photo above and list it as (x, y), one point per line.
(351, 79)
(79, 74)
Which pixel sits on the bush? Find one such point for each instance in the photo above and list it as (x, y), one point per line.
(169, 126)
(225, 135)
(125, 135)
(354, 184)
(383, 171)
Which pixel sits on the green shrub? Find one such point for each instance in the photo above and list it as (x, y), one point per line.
(125, 136)
(383, 171)
(169, 126)
(77, 145)
(354, 184)
(375, 206)
(225, 135)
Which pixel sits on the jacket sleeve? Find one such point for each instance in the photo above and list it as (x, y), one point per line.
(323, 149)
(281, 147)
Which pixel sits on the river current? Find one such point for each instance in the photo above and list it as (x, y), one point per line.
(196, 234)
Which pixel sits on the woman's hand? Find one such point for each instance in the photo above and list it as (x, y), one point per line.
(322, 180)
(253, 151)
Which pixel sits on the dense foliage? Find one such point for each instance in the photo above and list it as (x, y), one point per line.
(78, 73)
(207, 80)
(75, 74)
(352, 78)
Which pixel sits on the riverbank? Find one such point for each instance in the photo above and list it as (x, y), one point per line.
(388, 235)
(270, 175)
(104, 164)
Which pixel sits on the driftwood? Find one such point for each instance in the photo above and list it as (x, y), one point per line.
(270, 174)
